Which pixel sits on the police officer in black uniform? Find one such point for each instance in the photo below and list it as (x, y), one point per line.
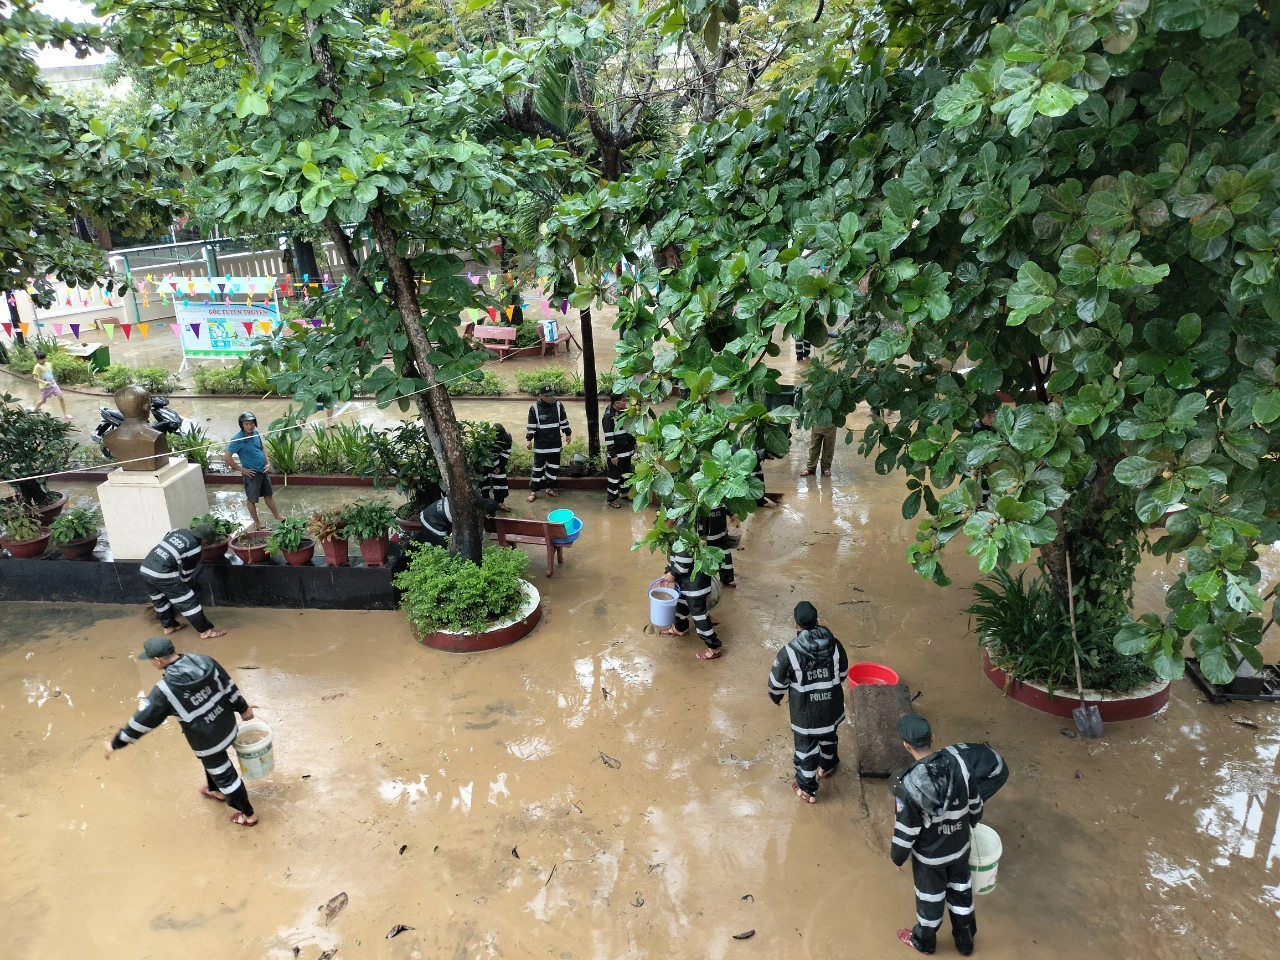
(619, 447)
(495, 486)
(810, 671)
(937, 806)
(169, 571)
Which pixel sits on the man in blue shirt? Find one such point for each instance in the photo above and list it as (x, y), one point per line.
(254, 466)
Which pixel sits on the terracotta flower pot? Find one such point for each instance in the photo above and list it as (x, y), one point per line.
(214, 552)
(50, 513)
(374, 552)
(26, 549)
(410, 525)
(250, 547)
(78, 549)
(302, 556)
(337, 553)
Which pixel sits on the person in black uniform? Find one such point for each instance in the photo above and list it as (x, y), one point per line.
(981, 764)
(803, 349)
(714, 529)
(494, 486)
(619, 448)
(437, 520)
(198, 691)
(810, 671)
(984, 424)
(547, 421)
(695, 590)
(168, 572)
(936, 809)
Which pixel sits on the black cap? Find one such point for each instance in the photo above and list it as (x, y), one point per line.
(806, 615)
(157, 647)
(914, 729)
(546, 390)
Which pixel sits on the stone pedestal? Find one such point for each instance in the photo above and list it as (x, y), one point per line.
(140, 506)
(877, 708)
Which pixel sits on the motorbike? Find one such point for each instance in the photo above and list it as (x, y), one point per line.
(162, 419)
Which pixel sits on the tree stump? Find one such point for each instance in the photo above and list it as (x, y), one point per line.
(877, 708)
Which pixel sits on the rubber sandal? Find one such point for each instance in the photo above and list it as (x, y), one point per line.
(530, 498)
(240, 820)
(709, 654)
(204, 792)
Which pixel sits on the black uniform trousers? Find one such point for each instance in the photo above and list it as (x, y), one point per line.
(546, 470)
(949, 885)
(220, 774)
(495, 485)
(694, 594)
(814, 752)
(803, 349)
(715, 530)
(617, 471)
(166, 595)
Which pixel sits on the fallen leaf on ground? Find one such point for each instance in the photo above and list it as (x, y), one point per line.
(744, 935)
(515, 853)
(333, 907)
(609, 761)
(748, 897)
(403, 848)
(1244, 722)
(398, 929)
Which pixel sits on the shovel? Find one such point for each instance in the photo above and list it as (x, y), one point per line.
(1088, 719)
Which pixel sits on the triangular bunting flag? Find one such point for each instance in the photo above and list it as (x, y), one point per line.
(176, 328)
(25, 328)
(248, 328)
(126, 327)
(492, 281)
(564, 306)
(510, 311)
(110, 330)
(315, 322)
(142, 328)
(8, 328)
(195, 330)
(493, 314)
(57, 329)
(264, 327)
(75, 331)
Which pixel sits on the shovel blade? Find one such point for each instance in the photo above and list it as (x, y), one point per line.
(1088, 721)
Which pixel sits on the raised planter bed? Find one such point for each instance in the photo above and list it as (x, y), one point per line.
(55, 580)
(502, 634)
(337, 480)
(1137, 704)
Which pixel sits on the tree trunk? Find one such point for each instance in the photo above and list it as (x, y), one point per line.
(590, 390)
(304, 259)
(434, 405)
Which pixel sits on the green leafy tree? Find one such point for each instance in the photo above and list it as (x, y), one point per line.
(342, 121)
(1073, 205)
(63, 171)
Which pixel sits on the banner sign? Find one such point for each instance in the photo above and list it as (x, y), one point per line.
(219, 317)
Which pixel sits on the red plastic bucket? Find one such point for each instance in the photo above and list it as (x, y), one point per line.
(871, 673)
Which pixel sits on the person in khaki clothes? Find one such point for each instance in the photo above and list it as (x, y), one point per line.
(822, 444)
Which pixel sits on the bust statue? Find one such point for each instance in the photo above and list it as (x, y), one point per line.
(134, 443)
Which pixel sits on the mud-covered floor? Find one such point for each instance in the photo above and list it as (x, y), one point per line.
(467, 797)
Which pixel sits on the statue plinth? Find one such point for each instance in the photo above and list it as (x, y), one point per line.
(140, 506)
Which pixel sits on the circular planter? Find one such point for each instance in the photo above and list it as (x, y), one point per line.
(1145, 701)
(78, 549)
(502, 634)
(26, 549)
(213, 552)
(410, 525)
(302, 556)
(50, 513)
(250, 547)
(337, 553)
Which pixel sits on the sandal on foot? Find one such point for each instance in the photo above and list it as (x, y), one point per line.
(213, 634)
(672, 632)
(807, 473)
(240, 820)
(170, 631)
(709, 654)
(208, 795)
(906, 937)
(504, 508)
(805, 796)
(552, 493)
(615, 504)
(824, 774)
(530, 498)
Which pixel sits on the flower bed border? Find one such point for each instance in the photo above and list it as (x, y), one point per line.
(1145, 702)
(324, 480)
(501, 634)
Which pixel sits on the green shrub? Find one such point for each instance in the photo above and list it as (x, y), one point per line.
(1027, 632)
(31, 445)
(86, 455)
(72, 525)
(284, 447)
(530, 381)
(219, 526)
(19, 521)
(605, 380)
(368, 519)
(323, 452)
(233, 381)
(577, 386)
(157, 379)
(22, 359)
(195, 444)
(69, 370)
(578, 447)
(520, 463)
(489, 385)
(528, 335)
(440, 591)
(116, 376)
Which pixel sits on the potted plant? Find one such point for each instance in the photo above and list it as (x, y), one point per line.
(329, 528)
(250, 545)
(75, 533)
(290, 539)
(221, 529)
(23, 536)
(33, 444)
(368, 521)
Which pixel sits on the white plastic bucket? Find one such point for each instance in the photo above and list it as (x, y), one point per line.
(662, 604)
(713, 598)
(255, 750)
(984, 858)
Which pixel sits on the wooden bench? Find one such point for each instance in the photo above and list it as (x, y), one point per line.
(563, 335)
(501, 340)
(511, 530)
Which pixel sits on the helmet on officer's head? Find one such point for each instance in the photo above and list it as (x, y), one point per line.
(247, 415)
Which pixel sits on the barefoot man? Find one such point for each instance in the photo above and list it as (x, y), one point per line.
(810, 671)
(169, 571)
(199, 692)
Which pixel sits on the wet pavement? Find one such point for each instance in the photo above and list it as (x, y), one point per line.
(468, 797)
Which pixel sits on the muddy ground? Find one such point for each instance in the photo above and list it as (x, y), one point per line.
(468, 798)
